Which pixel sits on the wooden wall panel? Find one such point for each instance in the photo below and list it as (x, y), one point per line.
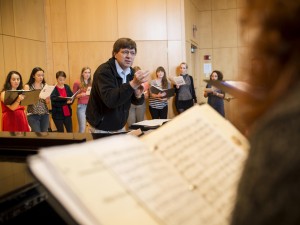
(191, 21)
(7, 17)
(9, 49)
(193, 27)
(243, 34)
(202, 5)
(29, 19)
(223, 4)
(142, 20)
(58, 20)
(175, 56)
(244, 65)
(188, 20)
(48, 36)
(2, 71)
(205, 29)
(29, 54)
(60, 60)
(90, 54)
(224, 28)
(241, 3)
(149, 57)
(175, 14)
(187, 51)
(92, 20)
(1, 32)
(226, 60)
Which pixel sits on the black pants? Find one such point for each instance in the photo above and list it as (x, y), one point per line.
(181, 106)
(159, 113)
(67, 122)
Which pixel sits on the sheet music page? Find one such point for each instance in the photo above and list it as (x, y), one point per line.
(178, 80)
(152, 123)
(207, 151)
(118, 180)
(88, 91)
(70, 98)
(164, 194)
(77, 176)
(183, 173)
(49, 179)
(46, 91)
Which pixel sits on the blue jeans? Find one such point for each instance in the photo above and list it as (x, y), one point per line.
(38, 123)
(81, 108)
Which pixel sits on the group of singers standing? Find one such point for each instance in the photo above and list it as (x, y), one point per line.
(115, 94)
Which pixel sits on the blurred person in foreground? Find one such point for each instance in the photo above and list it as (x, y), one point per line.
(268, 192)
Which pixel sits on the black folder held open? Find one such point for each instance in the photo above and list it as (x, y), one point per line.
(31, 96)
(169, 92)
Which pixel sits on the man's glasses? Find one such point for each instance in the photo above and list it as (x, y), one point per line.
(127, 52)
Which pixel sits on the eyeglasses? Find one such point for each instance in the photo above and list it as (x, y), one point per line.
(126, 52)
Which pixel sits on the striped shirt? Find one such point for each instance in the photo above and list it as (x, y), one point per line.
(158, 103)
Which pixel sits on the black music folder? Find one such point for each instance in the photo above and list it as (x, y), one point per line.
(31, 96)
(169, 92)
(149, 124)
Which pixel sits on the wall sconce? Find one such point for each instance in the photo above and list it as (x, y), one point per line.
(193, 48)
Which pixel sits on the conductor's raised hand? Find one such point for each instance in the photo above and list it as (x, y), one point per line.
(139, 91)
(139, 77)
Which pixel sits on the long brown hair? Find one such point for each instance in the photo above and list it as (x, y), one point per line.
(164, 80)
(83, 85)
(275, 51)
(7, 84)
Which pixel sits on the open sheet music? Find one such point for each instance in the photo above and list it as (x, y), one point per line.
(185, 172)
(178, 80)
(88, 91)
(46, 91)
(69, 98)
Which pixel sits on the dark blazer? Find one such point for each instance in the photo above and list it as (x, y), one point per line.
(110, 99)
(57, 103)
(192, 90)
